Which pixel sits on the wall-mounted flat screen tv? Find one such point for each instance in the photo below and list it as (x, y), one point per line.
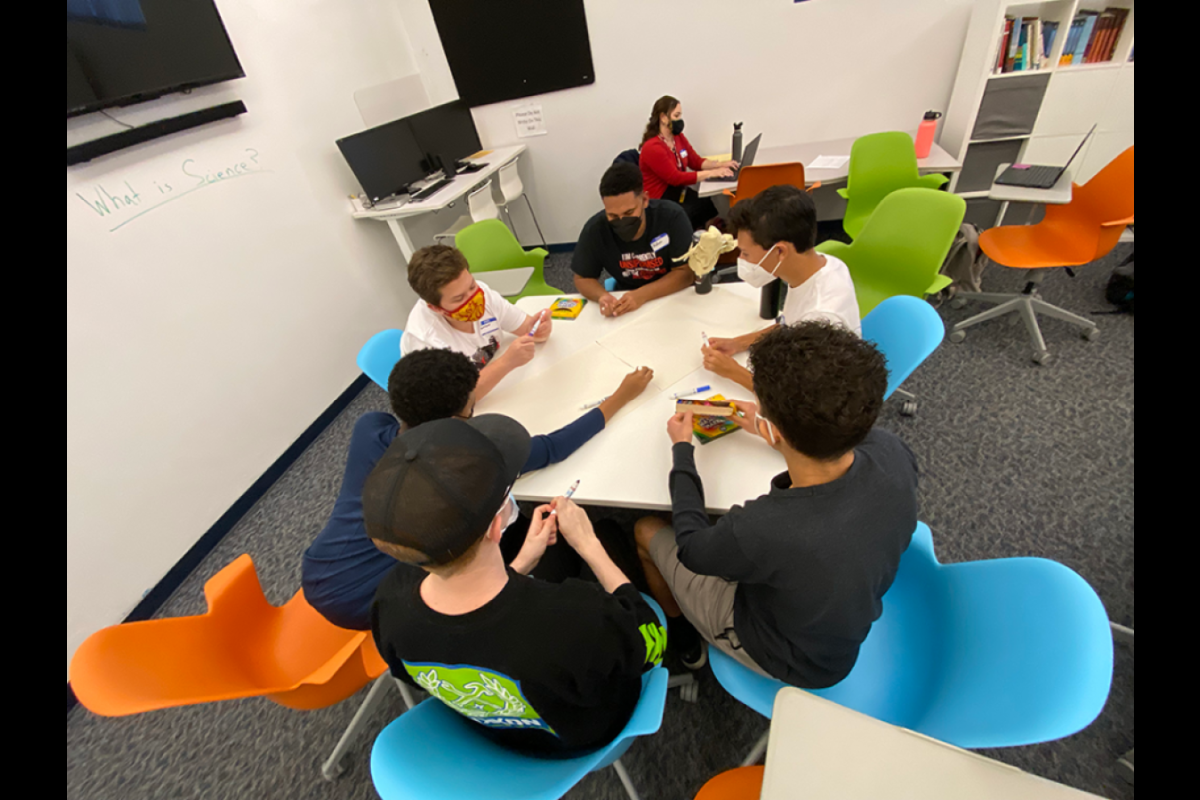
(126, 51)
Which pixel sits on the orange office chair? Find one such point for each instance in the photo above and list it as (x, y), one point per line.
(743, 783)
(1077, 233)
(755, 178)
(243, 647)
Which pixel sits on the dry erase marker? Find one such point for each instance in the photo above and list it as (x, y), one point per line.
(537, 323)
(697, 390)
(704, 336)
(586, 406)
(570, 493)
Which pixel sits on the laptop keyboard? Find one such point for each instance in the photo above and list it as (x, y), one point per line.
(1038, 176)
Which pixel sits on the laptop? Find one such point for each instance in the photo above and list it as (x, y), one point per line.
(1037, 176)
(747, 160)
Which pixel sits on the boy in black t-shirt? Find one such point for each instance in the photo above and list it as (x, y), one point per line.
(790, 583)
(548, 669)
(636, 240)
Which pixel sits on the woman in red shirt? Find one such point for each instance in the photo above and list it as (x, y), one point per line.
(670, 166)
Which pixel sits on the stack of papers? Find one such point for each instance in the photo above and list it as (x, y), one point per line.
(829, 162)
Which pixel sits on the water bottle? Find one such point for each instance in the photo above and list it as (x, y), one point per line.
(768, 300)
(736, 150)
(925, 133)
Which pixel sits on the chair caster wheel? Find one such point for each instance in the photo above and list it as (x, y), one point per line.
(909, 408)
(1091, 334)
(690, 693)
(958, 302)
(1042, 357)
(332, 774)
(958, 337)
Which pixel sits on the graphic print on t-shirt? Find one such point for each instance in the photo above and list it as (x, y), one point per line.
(642, 266)
(485, 354)
(489, 698)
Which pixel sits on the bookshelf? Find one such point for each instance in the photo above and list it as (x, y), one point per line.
(1038, 115)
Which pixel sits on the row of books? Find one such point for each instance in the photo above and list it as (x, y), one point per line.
(1026, 42)
(1093, 36)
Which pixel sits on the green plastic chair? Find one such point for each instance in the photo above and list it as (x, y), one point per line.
(490, 247)
(902, 247)
(880, 163)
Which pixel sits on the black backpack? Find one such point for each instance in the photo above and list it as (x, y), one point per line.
(1119, 291)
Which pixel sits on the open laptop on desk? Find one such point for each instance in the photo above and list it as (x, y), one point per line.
(1037, 176)
(747, 160)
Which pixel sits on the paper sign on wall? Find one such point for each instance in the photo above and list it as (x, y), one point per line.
(529, 120)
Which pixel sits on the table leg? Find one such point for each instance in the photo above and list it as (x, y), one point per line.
(406, 245)
(1000, 216)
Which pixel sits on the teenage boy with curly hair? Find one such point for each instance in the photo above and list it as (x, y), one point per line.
(790, 583)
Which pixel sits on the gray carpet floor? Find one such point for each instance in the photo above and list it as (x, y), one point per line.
(1017, 460)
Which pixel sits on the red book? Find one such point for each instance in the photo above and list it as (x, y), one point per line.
(1004, 39)
(1118, 27)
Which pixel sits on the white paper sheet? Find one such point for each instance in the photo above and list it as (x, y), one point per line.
(545, 402)
(668, 344)
(829, 162)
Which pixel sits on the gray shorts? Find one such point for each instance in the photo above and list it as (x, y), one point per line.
(706, 600)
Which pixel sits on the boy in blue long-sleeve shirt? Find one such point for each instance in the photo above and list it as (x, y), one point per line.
(342, 568)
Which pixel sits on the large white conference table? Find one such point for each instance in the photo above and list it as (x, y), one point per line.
(938, 160)
(394, 213)
(626, 464)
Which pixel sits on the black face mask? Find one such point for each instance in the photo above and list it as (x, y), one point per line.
(626, 228)
(676, 127)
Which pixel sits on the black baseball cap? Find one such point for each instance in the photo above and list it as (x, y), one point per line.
(438, 486)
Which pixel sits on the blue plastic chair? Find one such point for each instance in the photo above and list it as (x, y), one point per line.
(997, 653)
(907, 330)
(434, 753)
(379, 355)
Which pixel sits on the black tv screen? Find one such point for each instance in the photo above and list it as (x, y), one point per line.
(126, 51)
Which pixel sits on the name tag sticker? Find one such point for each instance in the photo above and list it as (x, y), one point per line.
(488, 326)
(683, 153)
(660, 241)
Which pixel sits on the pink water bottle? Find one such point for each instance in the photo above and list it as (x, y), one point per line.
(925, 133)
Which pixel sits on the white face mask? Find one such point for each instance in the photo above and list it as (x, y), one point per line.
(772, 436)
(510, 513)
(754, 274)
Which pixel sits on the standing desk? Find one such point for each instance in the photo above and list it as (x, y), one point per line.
(937, 161)
(820, 750)
(626, 465)
(395, 213)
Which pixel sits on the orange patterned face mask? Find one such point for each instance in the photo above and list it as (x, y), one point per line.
(470, 311)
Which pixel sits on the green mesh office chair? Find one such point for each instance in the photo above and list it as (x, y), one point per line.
(490, 247)
(880, 163)
(902, 247)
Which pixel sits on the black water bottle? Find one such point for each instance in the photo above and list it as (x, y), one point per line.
(736, 150)
(768, 303)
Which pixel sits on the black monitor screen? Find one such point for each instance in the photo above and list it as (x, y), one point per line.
(124, 51)
(385, 159)
(447, 131)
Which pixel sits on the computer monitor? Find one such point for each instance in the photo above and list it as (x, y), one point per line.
(446, 131)
(385, 159)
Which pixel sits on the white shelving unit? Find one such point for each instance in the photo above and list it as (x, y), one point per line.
(1076, 97)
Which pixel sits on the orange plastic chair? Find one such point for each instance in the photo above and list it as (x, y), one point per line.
(243, 647)
(756, 178)
(1070, 235)
(743, 783)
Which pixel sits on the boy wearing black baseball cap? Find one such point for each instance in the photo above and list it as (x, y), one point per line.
(548, 669)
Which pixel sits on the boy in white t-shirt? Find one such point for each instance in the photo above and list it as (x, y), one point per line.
(457, 312)
(777, 231)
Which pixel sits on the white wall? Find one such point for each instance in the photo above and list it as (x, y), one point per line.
(805, 72)
(206, 334)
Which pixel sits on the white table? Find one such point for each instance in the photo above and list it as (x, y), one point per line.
(626, 465)
(394, 214)
(937, 161)
(823, 751)
(1058, 194)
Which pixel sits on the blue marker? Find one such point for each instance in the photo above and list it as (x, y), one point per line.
(697, 390)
